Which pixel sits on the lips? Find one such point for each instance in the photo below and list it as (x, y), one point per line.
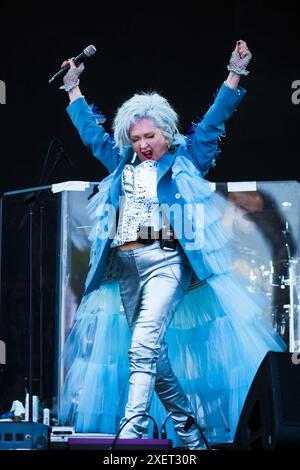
(148, 155)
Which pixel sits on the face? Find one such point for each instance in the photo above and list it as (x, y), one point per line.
(148, 141)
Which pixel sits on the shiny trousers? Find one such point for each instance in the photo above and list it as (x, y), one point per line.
(153, 281)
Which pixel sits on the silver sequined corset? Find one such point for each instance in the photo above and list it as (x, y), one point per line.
(139, 203)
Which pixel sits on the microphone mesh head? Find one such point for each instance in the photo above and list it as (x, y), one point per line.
(90, 50)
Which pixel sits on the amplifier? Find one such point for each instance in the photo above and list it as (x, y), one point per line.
(25, 435)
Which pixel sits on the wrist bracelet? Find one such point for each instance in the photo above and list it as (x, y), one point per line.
(69, 86)
(238, 70)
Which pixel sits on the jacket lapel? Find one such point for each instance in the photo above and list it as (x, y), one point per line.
(164, 164)
(115, 188)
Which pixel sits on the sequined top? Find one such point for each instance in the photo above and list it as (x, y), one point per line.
(139, 202)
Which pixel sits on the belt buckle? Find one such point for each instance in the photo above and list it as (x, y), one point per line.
(167, 244)
(167, 239)
(145, 235)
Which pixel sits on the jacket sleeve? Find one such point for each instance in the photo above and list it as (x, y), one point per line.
(93, 135)
(204, 142)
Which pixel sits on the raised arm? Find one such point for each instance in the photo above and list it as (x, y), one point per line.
(92, 134)
(204, 143)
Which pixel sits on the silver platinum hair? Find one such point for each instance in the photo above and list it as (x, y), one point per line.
(146, 106)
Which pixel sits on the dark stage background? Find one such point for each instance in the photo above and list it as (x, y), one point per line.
(181, 54)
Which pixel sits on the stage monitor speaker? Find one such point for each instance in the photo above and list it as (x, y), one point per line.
(270, 418)
(23, 435)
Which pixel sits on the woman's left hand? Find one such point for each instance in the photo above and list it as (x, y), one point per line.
(240, 58)
(243, 50)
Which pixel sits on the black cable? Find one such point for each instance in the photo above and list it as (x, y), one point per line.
(190, 421)
(155, 428)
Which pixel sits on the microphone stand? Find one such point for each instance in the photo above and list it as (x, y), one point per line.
(32, 201)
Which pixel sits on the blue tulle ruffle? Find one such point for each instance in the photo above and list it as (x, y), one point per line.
(217, 339)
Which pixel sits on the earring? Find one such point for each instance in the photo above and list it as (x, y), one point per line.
(170, 148)
(134, 157)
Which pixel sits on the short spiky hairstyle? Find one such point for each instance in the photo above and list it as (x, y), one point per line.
(146, 105)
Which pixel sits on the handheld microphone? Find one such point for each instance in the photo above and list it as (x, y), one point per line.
(85, 54)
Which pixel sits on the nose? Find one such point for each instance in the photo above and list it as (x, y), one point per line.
(143, 144)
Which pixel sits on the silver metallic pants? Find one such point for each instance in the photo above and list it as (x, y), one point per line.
(153, 282)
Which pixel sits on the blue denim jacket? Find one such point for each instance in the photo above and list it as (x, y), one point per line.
(179, 180)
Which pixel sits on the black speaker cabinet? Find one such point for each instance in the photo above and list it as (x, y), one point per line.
(270, 418)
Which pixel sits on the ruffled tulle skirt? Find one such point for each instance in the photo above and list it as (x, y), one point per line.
(216, 342)
(217, 339)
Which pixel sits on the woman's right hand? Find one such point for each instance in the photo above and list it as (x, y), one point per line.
(68, 63)
(71, 79)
